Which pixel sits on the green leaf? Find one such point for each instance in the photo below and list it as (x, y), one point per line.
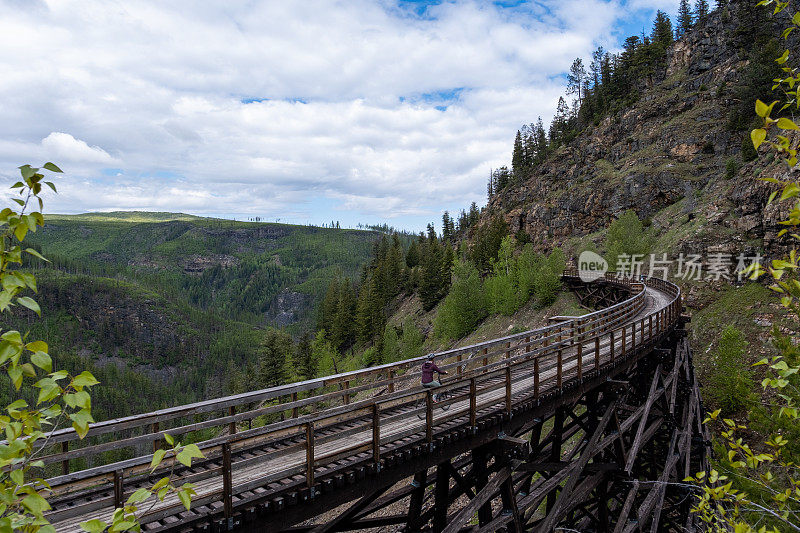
(758, 136)
(35, 504)
(784, 57)
(160, 484)
(30, 303)
(790, 191)
(139, 496)
(94, 526)
(158, 456)
(125, 525)
(15, 373)
(51, 185)
(84, 379)
(37, 346)
(21, 230)
(186, 455)
(81, 421)
(17, 476)
(48, 389)
(52, 168)
(27, 171)
(186, 500)
(170, 440)
(36, 254)
(7, 351)
(786, 124)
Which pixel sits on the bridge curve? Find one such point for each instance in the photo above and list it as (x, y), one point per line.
(281, 456)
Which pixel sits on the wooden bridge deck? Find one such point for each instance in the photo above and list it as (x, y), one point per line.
(346, 420)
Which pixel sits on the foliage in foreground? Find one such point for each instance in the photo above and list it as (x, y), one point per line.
(60, 396)
(758, 489)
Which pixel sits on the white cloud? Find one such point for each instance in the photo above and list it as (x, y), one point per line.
(65, 147)
(347, 117)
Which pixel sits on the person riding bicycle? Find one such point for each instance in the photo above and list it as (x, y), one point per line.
(428, 368)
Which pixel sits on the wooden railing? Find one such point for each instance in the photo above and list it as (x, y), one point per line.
(365, 411)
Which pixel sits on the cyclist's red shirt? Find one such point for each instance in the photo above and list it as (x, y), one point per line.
(428, 368)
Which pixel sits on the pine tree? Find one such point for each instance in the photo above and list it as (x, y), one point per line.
(662, 29)
(595, 67)
(540, 141)
(701, 10)
(430, 283)
(367, 310)
(304, 362)
(329, 306)
(342, 330)
(273, 351)
(412, 256)
(448, 229)
(518, 156)
(529, 147)
(576, 79)
(685, 21)
(446, 269)
(558, 128)
(474, 214)
(431, 233)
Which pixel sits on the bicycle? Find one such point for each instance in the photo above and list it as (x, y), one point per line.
(438, 398)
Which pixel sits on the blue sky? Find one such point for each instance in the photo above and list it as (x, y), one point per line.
(365, 111)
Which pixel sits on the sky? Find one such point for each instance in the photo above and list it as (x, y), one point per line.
(385, 111)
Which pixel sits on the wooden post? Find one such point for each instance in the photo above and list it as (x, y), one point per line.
(310, 454)
(227, 480)
(559, 369)
(65, 463)
(157, 442)
(391, 380)
(555, 448)
(650, 319)
(473, 403)
(295, 410)
(597, 352)
(623, 340)
(485, 359)
(528, 344)
(346, 394)
(508, 390)
(232, 425)
(458, 368)
(428, 416)
(376, 433)
(611, 345)
(641, 335)
(535, 377)
(580, 359)
(118, 489)
(440, 496)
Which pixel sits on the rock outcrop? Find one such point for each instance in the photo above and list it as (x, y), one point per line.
(670, 157)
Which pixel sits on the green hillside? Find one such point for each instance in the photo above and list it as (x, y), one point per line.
(174, 304)
(263, 274)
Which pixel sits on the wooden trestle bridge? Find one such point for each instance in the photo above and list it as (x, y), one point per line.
(588, 424)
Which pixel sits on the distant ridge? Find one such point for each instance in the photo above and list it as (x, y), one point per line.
(127, 216)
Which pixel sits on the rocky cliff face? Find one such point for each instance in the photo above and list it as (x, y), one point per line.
(664, 157)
